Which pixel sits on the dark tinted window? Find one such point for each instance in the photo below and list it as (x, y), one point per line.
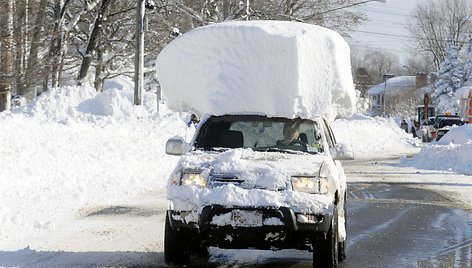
(258, 133)
(449, 122)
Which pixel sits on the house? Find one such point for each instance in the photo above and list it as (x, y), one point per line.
(397, 93)
(464, 95)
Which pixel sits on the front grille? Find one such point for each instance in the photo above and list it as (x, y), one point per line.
(216, 180)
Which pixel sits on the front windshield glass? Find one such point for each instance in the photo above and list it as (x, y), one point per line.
(260, 134)
(450, 122)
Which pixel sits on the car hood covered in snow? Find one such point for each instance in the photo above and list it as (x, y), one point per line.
(266, 179)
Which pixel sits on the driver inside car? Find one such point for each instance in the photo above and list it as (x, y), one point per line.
(291, 134)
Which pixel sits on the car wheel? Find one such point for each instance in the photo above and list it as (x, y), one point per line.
(342, 245)
(342, 251)
(176, 248)
(203, 252)
(424, 138)
(326, 251)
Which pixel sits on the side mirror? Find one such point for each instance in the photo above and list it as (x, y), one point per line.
(343, 151)
(175, 146)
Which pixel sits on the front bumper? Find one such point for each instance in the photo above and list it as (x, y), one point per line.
(281, 228)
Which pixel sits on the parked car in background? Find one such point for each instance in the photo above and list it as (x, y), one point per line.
(17, 100)
(444, 122)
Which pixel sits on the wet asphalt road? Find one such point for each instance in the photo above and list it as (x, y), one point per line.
(390, 224)
(396, 225)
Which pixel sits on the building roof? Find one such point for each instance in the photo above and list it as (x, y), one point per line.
(393, 84)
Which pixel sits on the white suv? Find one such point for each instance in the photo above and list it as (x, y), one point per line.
(241, 183)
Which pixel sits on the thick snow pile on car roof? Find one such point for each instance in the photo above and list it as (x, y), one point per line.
(277, 68)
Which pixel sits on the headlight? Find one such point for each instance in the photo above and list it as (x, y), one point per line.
(193, 179)
(311, 185)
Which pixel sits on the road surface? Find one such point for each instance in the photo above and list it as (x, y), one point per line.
(397, 217)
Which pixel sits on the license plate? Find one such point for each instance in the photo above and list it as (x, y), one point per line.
(245, 218)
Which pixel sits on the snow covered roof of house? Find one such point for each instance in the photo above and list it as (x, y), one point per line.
(276, 68)
(464, 92)
(393, 84)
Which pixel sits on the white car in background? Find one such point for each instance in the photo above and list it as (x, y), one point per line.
(444, 123)
(240, 183)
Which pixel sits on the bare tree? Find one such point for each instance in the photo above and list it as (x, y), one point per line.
(34, 71)
(57, 45)
(333, 14)
(376, 62)
(6, 65)
(438, 21)
(419, 63)
(95, 37)
(21, 36)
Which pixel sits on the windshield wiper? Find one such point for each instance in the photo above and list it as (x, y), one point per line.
(213, 149)
(279, 150)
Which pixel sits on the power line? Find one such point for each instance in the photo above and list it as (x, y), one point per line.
(387, 21)
(384, 34)
(389, 13)
(383, 49)
(387, 24)
(408, 37)
(386, 49)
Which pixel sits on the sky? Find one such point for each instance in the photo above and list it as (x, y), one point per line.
(385, 27)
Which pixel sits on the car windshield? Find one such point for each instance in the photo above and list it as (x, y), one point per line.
(260, 133)
(449, 122)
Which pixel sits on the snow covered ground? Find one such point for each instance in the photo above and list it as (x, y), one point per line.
(453, 153)
(74, 148)
(375, 138)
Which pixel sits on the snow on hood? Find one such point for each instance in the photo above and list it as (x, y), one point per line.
(264, 175)
(263, 170)
(299, 70)
(186, 198)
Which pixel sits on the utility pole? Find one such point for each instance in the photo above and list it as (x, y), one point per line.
(247, 10)
(139, 55)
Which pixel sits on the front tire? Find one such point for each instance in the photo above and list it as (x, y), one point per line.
(326, 251)
(176, 248)
(342, 244)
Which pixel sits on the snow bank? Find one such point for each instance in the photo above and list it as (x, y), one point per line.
(373, 138)
(453, 153)
(458, 135)
(60, 103)
(276, 68)
(79, 103)
(73, 148)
